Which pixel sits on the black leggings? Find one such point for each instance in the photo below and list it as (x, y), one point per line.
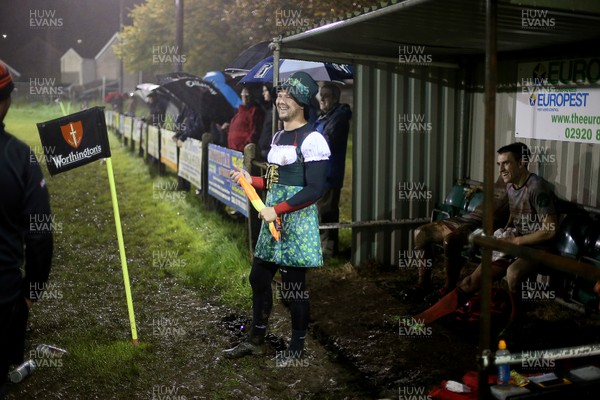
(13, 322)
(293, 288)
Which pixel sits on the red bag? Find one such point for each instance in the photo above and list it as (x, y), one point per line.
(500, 308)
(470, 379)
(442, 393)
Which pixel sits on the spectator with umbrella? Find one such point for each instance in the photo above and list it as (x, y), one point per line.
(246, 125)
(115, 99)
(201, 96)
(157, 105)
(189, 124)
(157, 109)
(201, 105)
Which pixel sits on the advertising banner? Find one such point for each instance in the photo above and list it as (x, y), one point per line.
(137, 126)
(121, 123)
(168, 149)
(127, 127)
(220, 161)
(559, 100)
(153, 141)
(190, 162)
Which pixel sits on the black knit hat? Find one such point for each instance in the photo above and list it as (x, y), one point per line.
(301, 86)
(6, 83)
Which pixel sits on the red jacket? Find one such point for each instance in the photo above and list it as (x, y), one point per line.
(245, 126)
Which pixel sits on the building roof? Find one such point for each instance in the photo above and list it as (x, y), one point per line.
(108, 45)
(447, 29)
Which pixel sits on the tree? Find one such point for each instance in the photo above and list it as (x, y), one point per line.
(149, 43)
(215, 32)
(264, 20)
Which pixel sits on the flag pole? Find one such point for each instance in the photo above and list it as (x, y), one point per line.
(62, 108)
(113, 193)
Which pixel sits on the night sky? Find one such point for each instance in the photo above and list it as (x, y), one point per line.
(31, 47)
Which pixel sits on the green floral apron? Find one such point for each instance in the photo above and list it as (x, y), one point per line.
(300, 243)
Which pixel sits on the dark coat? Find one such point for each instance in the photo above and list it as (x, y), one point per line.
(334, 125)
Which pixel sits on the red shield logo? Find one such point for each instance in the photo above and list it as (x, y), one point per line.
(72, 133)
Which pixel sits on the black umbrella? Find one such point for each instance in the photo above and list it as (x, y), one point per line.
(249, 57)
(197, 94)
(174, 76)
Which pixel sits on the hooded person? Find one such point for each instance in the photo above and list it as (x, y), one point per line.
(295, 180)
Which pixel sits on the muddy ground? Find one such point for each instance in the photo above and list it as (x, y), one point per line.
(356, 313)
(355, 349)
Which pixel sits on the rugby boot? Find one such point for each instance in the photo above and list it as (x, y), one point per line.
(246, 348)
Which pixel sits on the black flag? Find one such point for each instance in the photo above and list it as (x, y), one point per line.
(74, 140)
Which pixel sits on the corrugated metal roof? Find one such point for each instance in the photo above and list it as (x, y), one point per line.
(440, 24)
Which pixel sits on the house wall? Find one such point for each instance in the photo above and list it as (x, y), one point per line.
(70, 66)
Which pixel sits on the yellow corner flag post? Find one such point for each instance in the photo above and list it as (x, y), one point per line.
(89, 121)
(113, 193)
(62, 108)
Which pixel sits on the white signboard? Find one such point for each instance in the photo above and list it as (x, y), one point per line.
(108, 115)
(168, 149)
(153, 141)
(120, 123)
(559, 100)
(127, 127)
(137, 133)
(143, 135)
(190, 162)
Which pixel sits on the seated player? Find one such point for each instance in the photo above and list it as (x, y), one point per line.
(453, 233)
(532, 214)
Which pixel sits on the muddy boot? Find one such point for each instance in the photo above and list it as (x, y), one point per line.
(249, 346)
(294, 352)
